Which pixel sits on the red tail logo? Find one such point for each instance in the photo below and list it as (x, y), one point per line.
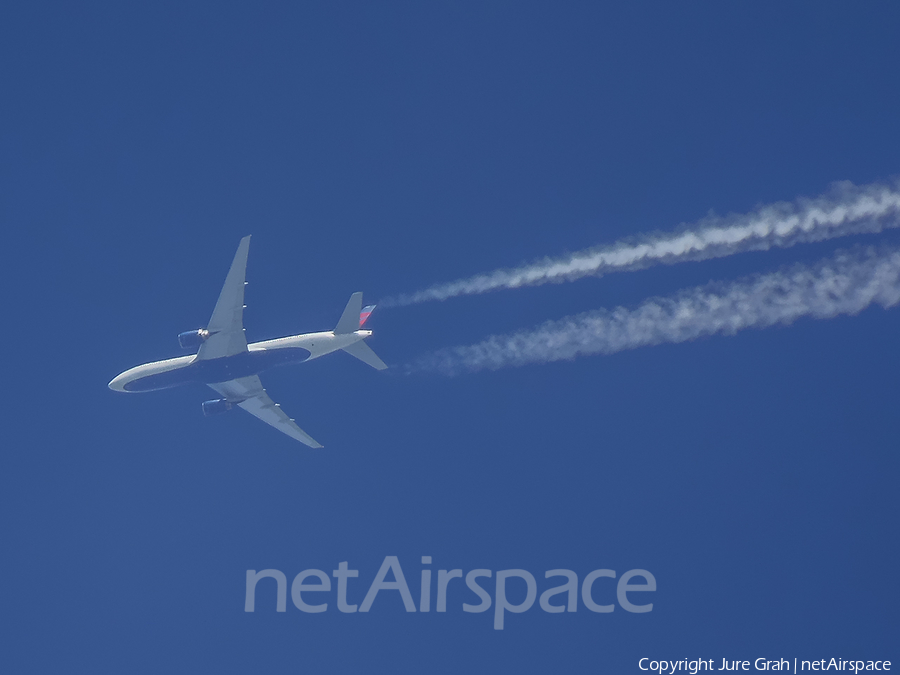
(365, 314)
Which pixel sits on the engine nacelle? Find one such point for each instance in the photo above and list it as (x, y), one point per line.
(216, 407)
(192, 339)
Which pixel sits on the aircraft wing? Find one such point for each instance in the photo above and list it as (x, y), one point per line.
(248, 393)
(226, 326)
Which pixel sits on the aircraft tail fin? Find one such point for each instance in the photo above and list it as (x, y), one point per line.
(364, 353)
(349, 322)
(353, 318)
(365, 314)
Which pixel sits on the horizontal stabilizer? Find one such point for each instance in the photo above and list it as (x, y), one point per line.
(364, 353)
(349, 322)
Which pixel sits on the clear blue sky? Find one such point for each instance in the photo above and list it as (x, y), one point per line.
(383, 149)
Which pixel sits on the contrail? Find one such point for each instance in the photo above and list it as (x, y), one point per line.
(844, 284)
(845, 210)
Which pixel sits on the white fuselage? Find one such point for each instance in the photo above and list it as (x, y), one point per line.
(258, 357)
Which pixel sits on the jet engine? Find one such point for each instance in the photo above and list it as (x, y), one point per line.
(216, 407)
(192, 339)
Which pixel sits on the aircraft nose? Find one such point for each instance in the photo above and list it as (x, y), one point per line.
(117, 383)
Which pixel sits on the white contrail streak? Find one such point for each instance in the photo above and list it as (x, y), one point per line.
(844, 284)
(845, 210)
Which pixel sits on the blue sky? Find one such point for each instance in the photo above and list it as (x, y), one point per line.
(386, 149)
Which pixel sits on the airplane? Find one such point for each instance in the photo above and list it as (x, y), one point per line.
(229, 365)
